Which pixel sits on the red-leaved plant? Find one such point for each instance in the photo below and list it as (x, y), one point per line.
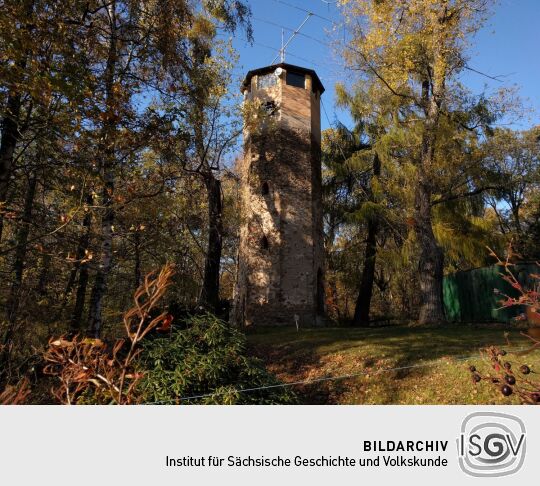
(529, 298)
(511, 378)
(86, 366)
(15, 394)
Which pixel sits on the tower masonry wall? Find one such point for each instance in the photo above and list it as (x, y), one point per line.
(280, 271)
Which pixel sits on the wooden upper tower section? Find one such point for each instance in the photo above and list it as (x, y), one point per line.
(296, 92)
(284, 69)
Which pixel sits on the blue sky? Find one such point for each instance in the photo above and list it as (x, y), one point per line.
(507, 45)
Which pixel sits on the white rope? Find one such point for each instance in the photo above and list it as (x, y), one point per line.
(315, 380)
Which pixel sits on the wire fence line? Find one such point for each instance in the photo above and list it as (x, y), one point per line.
(437, 362)
(324, 378)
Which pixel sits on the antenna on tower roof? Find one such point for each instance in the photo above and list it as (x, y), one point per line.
(282, 51)
(281, 54)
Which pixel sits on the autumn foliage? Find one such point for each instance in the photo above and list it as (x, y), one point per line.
(527, 297)
(512, 378)
(88, 369)
(15, 394)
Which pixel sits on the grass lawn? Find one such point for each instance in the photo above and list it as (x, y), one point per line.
(311, 354)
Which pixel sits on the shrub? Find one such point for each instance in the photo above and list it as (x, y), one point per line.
(88, 372)
(15, 394)
(507, 376)
(529, 298)
(207, 361)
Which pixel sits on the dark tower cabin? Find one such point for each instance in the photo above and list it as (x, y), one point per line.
(280, 275)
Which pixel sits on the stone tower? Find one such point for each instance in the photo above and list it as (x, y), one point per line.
(280, 276)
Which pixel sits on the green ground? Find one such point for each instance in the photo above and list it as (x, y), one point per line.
(311, 354)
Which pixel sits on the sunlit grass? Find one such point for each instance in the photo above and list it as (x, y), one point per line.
(440, 358)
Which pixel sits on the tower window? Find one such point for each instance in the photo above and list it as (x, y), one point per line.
(320, 292)
(266, 81)
(269, 107)
(265, 189)
(264, 243)
(297, 80)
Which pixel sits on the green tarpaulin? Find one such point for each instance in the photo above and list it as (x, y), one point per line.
(470, 296)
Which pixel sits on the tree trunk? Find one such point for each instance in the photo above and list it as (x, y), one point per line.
(210, 291)
(80, 266)
(8, 143)
(76, 317)
(80, 254)
(20, 251)
(431, 263)
(107, 166)
(10, 127)
(363, 302)
(44, 274)
(95, 319)
(12, 305)
(137, 250)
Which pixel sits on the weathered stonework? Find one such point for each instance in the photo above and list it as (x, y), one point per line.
(281, 258)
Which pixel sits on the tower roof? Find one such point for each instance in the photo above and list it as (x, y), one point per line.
(317, 85)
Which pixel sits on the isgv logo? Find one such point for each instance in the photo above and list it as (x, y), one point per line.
(491, 444)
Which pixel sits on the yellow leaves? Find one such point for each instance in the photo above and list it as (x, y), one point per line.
(201, 27)
(139, 227)
(401, 38)
(116, 88)
(88, 256)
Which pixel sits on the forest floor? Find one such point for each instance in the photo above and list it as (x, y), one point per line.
(434, 363)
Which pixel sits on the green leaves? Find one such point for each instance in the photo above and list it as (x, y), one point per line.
(206, 358)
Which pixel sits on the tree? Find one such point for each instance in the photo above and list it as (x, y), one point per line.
(512, 164)
(415, 51)
(19, 35)
(138, 41)
(40, 73)
(89, 144)
(208, 126)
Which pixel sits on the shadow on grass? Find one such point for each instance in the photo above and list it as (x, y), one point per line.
(313, 354)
